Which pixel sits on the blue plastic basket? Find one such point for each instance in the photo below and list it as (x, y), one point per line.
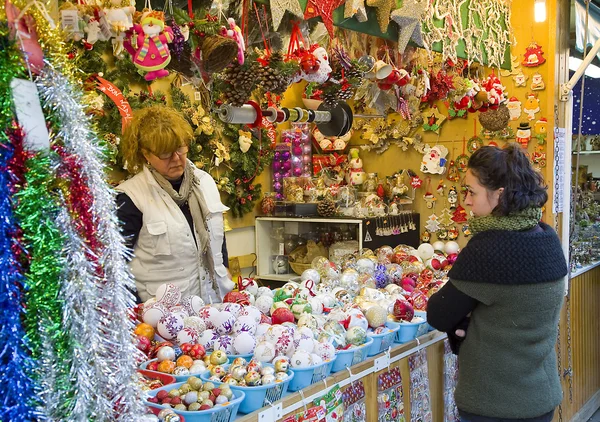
(178, 378)
(303, 377)
(259, 396)
(384, 340)
(407, 331)
(220, 413)
(231, 358)
(350, 357)
(424, 328)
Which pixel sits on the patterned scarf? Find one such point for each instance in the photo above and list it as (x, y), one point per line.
(162, 50)
(521, 220)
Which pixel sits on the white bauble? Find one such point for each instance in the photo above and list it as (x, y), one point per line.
(197, 369)
(194, 322)
(150, 302)
(245, 324)
(252, 311)
(438, 246)
(365, 265)
(153, 314)
(264, 351)
(310, 274)
(233, 308)
(165, 353)
(192, 304)
(425, 251)
(224, 343)
(188, 335)
(207, 339)
(208, 314)
(168, 294)
(303, 342)
(179, 309)
(273, 333)
(327, 299)
(244, 343)
(169, 326)
(264, 291)
(301, 359)
(308, 320)
(261, 330)
(451, 247)
(316, 359)
(223, 322)
(305, 331)
(284, 344)
(357, 319)
(325, 350)
(249, 285)
(264, 303)
(316, 305)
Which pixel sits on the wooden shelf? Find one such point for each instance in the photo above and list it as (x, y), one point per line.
(586, 152)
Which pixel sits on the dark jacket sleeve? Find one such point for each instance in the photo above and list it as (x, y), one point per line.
(225, 253)
(131, 219)
(448, 307)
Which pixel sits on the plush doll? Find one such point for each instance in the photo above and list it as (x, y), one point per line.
(235, 33)
(147, 44)
(434, 160)
(119, 14)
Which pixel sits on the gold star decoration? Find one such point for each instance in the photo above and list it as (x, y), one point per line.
(384, 7)
(408, 18)
(357, 9)
(323, 9)
(279, 7)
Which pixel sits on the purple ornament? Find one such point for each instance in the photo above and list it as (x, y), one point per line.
(276, 165)
(297, 151)
(297, 172)
(287, 174)
(296, 142)
(380, 278)
(287, 166)
(277, 156)
(277, 186)
(285, 155)
(277, 176)
(279, 196)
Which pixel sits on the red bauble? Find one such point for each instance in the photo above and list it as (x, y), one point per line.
(144, 344)
(418, 300)
(265, 319)
(403, 310)
(309, 63)
(186, 347)
(452, 258)
(237, 297)
(152, 366)
(197, 351)
(281, 315)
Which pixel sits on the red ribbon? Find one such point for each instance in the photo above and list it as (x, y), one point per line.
(118, 98)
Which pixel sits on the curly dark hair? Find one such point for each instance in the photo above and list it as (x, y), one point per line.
(509, 168)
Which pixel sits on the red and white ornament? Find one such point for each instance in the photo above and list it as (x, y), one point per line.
(168, 294)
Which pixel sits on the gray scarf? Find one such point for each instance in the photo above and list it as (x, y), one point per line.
(193, 197)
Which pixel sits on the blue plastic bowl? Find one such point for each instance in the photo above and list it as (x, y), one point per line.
(424, 328)
(407, 331)
(231, 358)
(259, 396)
(384, 340)
(303, 377)
(178, 378)
(350, 357)
(221, 412)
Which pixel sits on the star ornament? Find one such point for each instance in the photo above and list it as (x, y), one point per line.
(323, 9)
(408, 18)
(356, 8)
(384, 7)
(279, 7)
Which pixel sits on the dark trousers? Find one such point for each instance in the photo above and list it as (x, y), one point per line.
(468, 417)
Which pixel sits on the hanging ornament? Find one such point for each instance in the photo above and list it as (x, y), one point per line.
(534, 56)
(409, 18)
(532, 106)
(433, 120)
(514, 108)
(452, 198)
(279, 7)
(324, 9)
(445, 218)
(524, 134)
(453, 233)
(474, 144)
(453, 175)
(432, 224)
(538, 158)
(440, 188)
(459, 215)
(415, 182)
(356, 9)
(537, 83)
(541, 130)
(466, 231)
(428, 196)
(425, 236)
(434, 160)
(384, 8)
(520, 79)
(442, 234)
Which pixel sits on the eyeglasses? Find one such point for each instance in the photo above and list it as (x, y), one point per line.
(180, 151)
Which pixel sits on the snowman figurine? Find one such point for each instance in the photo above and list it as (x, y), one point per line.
(356, 175)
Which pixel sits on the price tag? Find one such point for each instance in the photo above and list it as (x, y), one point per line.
(29, 113)
(271, 413)
(381, 362)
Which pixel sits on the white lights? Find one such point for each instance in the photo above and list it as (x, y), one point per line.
(539, 10)
(592, 71)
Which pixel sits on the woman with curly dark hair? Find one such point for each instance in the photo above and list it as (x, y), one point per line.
(502, 302)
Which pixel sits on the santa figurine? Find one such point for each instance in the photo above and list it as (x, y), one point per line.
(147, 44)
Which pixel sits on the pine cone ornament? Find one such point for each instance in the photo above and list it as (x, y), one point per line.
(326, 208)
(267, 205)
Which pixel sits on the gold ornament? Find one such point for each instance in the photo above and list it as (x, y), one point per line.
(279, 7)
(409, 18)
(384, 8)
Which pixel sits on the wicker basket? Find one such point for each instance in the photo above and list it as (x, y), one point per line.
(218, 52)
(299, 268)
(495, 120)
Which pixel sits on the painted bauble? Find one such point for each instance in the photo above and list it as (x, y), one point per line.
(238, 372)
(218, 371)
(384, 254)
(179, 309)
(244, 343)
(284, 345)
(264, 351)
(318, 263)
(153, 314)
(356, 336)
(316, 305)
(224, 343)
(192, 304)
(310, 274)
(403, 310)
(221, 399)
(197, 369)
(168, 294)
(274, 332)
(316, 359)
(376, 316)
(349, 278)
(277, 305)
(223, 322)
(218, 357)
(281, 315)
(357, 319)
(308, 320)
(325, 350)
(264, 303)
(365, 265)
(252, 378)
(281, 376)
(236, 297)
(334, 331)
(169, 326)
(194, 322)
(245, 324)
(254, 365)
(249, 285)
(207, 339)
(264, 291)
(165, 353)
(451, 247)
(301, 359)
(239, 361)
(281, 364)
(300, 307)
(268, 370)
(268, 379)
(394, 273)
(187, 335)
(233, 308)
(425, 251)
(208, 313)
(261, 330)
(304, 342)
(181, 370)
(252, 311)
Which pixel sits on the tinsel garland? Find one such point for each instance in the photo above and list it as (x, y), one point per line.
(17, 389)
(117, 350)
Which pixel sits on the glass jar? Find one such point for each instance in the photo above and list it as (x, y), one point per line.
(370, 185)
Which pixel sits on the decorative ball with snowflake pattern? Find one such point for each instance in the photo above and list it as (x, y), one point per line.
(208, 313)
(224, 343)
(264, 303)
(325, 350)
(301, 359)
(153, 314)
(169, 326)
(188, 335)
(264, 351)
(207, 339)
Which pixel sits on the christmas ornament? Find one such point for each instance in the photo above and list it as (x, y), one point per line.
(466, 231)
(429, 199)
(533, 55)
(520, 79)
(452, 233)
(384, 7)
(409, 18)
(514, 108)
(462, 162)
(326, 208)
(425, 236)
(432, 224)
(459, 215)
(532, 106)
(434, 159)
(323, 9)
(445, 218)
(541, 130)
(453, 175)
(494, 120)
(474, 143)
(25, 30)
(524, 134)
(148, 49)
(357, 9)
(537, 83)
(433, 120)
(452, 198)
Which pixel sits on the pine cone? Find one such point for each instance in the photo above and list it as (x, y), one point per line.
(326, 208)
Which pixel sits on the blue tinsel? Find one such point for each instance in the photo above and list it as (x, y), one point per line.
(17, 392)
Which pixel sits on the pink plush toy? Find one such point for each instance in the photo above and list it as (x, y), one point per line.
(147, 44)
(235, 33)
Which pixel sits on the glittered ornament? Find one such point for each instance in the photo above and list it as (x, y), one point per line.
(376, 316)
(409, 18)
(356, 336)
(323, 9)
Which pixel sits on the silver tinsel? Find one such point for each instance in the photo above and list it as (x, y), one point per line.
(116, 351)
